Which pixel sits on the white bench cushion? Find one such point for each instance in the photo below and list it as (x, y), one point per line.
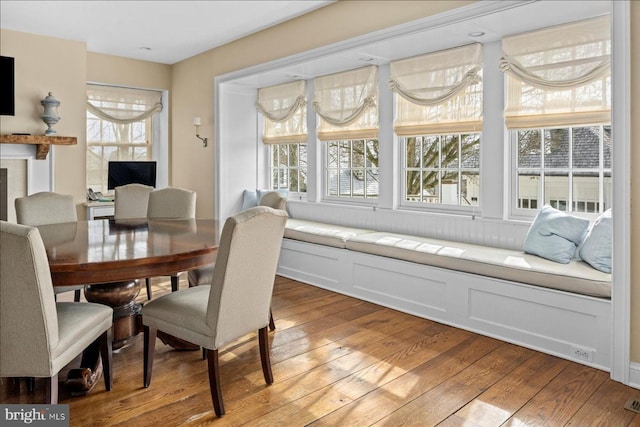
(516, 266)
(321, 233)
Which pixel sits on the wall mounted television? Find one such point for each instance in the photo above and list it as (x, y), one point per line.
(7, 86)
(131, 172)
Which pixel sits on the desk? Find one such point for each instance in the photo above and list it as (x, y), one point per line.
(99, 210)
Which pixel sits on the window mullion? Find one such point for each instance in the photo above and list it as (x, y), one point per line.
(570, 172)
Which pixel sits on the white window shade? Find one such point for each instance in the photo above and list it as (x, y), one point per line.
(440, 92)
(559, 76)
(347, 104)
(122, 105)
(285, 113)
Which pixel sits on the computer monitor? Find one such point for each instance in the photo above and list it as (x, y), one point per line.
(131, 172)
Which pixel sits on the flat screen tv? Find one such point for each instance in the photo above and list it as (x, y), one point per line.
(7, 86)
(131, 172)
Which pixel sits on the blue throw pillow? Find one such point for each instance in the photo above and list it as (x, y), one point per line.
(249, 199)
(554, 235)
(596, 247)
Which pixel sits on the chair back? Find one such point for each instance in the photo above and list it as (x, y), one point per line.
(28, 317)
(132, 201)
(244, 272)
(45, 208)
(172, 203)
(274, 200)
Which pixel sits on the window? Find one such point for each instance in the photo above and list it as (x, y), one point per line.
(558, 112)
(347, 105)
(439, 117)
(352, 168)
(443, 169)
(567, 168)
(289, 167)
(119, 123)
(285, 131)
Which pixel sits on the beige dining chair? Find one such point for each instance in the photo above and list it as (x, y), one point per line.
(132, 201)
(204, 275)
(48, 208)
(39, 336)
(171, 203)
(236, 303)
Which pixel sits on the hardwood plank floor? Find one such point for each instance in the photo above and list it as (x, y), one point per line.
(338, 361)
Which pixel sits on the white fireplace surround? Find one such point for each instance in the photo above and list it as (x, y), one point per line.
(25, 174)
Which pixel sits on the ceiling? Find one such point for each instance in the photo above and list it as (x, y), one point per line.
(159, 31)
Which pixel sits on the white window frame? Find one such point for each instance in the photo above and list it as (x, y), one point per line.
(517, 213)
(159, 134)
(439, 207)
(365, 201)
(272, 168)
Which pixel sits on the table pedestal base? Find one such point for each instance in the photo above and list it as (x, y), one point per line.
(121, 297)
(126, 314)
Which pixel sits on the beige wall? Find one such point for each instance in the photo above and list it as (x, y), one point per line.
(116, 70)
(42, 65)
(63, 67)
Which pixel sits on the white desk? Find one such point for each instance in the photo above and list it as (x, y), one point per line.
(99, 210)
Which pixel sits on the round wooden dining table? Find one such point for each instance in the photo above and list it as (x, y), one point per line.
(110, 256)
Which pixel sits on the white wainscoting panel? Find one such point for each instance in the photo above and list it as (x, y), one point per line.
(571, 326)
(459, 228)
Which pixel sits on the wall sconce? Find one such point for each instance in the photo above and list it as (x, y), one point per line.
(197, 123)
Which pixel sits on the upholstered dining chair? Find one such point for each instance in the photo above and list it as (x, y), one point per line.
(204, 275)
(132, 201)
(236, 303)
(171, 203)
(39, 336)
(48, 208)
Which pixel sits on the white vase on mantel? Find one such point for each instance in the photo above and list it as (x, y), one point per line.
(50, 114)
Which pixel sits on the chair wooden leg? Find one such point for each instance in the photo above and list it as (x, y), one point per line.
(30, 382)
(214, 382)
(148, 284)
(263, 338)
(76, 295)
(52, 390)
(175, 282)
(149, 350)
(106, 351)
(272, 324)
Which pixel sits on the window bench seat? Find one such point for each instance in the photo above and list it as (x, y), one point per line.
(561, 309)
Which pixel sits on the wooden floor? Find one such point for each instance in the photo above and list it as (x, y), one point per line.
(338, 361)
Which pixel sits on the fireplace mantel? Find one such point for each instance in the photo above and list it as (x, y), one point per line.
(43, 142)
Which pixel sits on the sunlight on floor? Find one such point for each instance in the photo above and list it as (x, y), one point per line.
(483, 413)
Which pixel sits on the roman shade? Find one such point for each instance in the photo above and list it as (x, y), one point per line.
(347, 104)
(440, 92)
(559, 76)
(285, 112)
(122, 105)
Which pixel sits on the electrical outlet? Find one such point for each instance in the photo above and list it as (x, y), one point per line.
(583, 354)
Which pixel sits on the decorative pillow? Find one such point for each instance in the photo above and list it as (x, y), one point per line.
(554, 235)
(249, 199)
(596, 247)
